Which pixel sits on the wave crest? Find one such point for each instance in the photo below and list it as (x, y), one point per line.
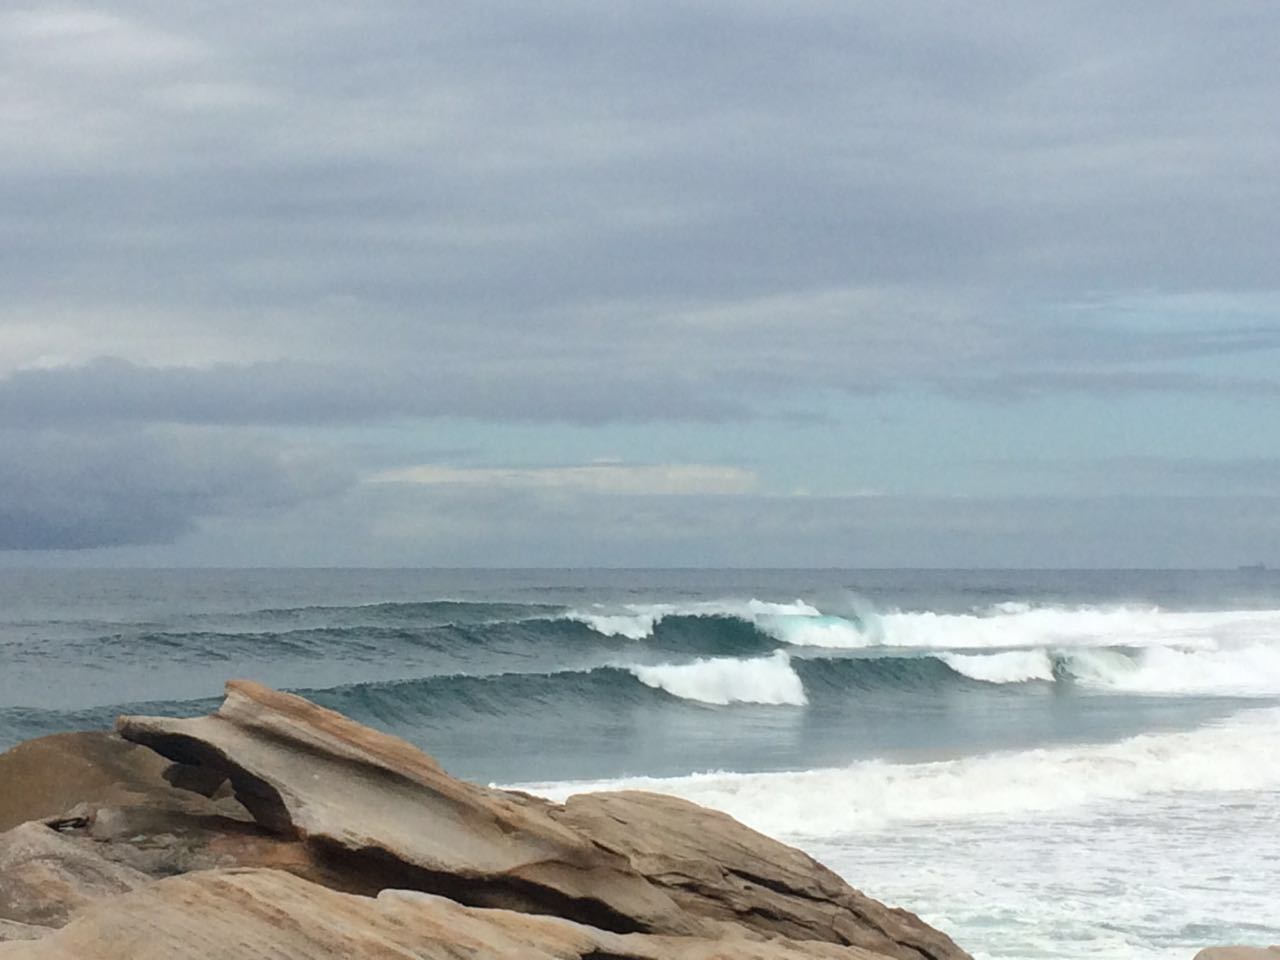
(725, 680)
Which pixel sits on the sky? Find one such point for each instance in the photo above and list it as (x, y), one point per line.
(853, 284)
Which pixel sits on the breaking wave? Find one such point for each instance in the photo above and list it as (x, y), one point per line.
(768, 680)
(1230, 755)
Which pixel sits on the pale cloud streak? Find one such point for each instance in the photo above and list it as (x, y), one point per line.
(660, 479)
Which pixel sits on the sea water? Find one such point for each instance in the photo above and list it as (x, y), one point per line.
(1050, 764)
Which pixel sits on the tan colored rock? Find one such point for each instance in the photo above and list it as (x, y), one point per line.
(231, 915)
(44, 778)
(1238, 953)
(370, 811)
(12, 930)
(161, 841)
(45, 877)
(74, 774)
(367, 801)
(714, 866)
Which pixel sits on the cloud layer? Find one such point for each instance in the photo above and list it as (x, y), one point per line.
(273, 225)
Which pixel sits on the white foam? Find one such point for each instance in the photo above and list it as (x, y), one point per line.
(816, 630)
(633, 626)
(724, 680)
(1004, 625)
(1249, 671)
(1019, 625)
(1235, 754)
(1012, 666)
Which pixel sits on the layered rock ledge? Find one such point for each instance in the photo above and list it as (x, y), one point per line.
(274, 827)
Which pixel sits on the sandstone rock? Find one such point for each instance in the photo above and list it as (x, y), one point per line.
(47, 777)
(371, 803)
(45, 877)
(1238, 953)
(12, 930)
(230, 915)
(160, 841)
(372, 812)
(714, 866)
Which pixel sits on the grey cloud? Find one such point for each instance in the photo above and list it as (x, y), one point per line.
(715, 362)
(590, 213)
(71, 491)
(446, 168)
(290, 393)
(451, 525)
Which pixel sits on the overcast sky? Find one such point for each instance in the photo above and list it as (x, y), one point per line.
(581, 283)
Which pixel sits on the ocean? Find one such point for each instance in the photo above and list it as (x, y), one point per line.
(1045, 764)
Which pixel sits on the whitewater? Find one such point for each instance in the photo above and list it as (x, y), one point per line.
(1047, 764)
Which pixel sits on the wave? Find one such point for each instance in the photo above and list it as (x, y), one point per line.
(1012, 666)
(711, 681)
(1249, 671)
(1021, 625)
(766, 680)
(1222, 651)
(775, 681)
(1235, 754)
(1004, 625)
(417, 612)
(783, 678)
(367, 642)
(637, 621)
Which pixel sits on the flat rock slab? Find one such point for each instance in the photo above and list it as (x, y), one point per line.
(231, 915)
(1239, 953)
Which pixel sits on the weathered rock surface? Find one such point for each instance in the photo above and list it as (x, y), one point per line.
(46, 777)
(12, 930)
(713, 866)
(231, 915)
(378, 803)
(1238, 953)
(45, 877)
(369, 803)
(134, 857)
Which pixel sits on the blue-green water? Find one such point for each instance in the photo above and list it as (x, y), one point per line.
(1048, 764)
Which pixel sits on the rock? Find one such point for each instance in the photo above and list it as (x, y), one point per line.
(47, 777)
(229, 915)
(369, 803)
(1238, 953)
(12, 930)
(714, 866)
(160, 841)
(369, 812)
(45, 876)
(201, 780)
(116, 811)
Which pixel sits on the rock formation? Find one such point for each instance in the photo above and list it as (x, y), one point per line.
(230, 915)
(285, 829)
